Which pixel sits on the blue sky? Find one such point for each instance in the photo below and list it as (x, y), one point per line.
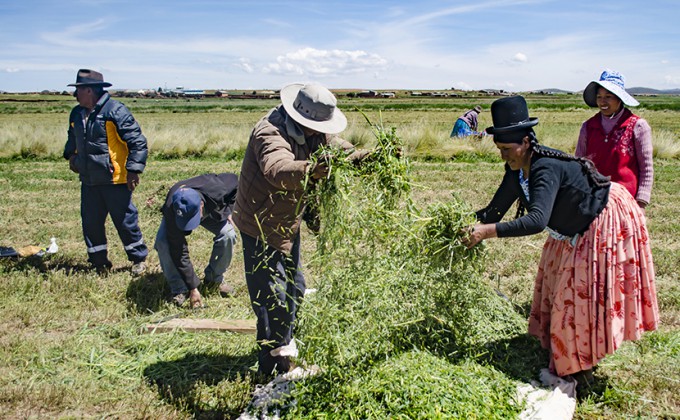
(515, 45)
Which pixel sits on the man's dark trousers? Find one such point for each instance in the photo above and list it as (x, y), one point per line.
(276, 286)
(96, 202)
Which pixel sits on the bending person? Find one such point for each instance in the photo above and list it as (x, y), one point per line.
(206, 200)
(466, 124)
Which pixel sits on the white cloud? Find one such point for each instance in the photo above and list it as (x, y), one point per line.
(314, 62)
(11, 70)
(521, 58)
(244, 64)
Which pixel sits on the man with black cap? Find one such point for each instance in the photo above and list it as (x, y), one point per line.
(269, 206)
(206, 200)
(107, 149)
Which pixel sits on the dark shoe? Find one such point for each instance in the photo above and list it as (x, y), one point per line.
(138, 269)
(103, 269)
(178, 299)
(225, 289)
(584, 381)
(275, 366)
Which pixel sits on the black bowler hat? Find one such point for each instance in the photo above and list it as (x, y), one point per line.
(88, 77)
(510, 115)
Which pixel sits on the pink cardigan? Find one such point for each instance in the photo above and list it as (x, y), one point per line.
(642, 137)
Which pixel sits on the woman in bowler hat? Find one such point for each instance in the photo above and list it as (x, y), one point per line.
(595, 282)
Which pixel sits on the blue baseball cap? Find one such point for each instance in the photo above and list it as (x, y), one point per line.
(186, 202)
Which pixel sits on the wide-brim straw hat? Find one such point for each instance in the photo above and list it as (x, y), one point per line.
(614, 82)
(313, 106)
(87, 77)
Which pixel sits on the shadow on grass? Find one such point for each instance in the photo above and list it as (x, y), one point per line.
(147, 294)
(48, 263)
(520, 357)
(207, 386)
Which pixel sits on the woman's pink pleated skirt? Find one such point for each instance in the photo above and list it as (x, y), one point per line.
(590, 297)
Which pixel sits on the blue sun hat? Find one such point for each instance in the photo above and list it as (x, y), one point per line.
(614, 82)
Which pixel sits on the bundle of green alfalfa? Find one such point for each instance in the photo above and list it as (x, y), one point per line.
(358, 199)
(399, 301)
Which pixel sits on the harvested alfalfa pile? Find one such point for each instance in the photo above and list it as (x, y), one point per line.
(393, 279)
(411, 385)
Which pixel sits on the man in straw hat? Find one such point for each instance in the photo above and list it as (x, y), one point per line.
(269, 206)
(616, 140)
(107, 149)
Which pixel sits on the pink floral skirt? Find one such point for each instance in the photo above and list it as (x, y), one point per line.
(590, 297)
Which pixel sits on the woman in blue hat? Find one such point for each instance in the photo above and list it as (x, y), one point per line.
(595, 282)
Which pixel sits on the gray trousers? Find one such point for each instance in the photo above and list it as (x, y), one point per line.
(220, 258)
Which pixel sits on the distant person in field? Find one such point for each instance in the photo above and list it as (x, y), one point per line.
(616, 140)
(466, 124)
(595, 285)
(205, 200)
(107, 149)
(269, 205)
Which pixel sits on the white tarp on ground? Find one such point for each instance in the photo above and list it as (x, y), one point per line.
(270, 399)
(553, 399)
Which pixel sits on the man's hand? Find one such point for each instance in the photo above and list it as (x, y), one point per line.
(195, 299)
(72, 164)
(358, 156)
(319, 169)
(132, 180)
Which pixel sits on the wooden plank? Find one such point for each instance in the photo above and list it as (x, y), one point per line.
(243, 326)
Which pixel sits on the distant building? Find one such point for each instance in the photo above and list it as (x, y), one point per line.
(367, 94)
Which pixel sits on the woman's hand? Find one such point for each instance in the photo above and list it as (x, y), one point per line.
(477, 233)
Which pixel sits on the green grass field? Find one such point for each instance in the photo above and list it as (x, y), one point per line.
(72, 345)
